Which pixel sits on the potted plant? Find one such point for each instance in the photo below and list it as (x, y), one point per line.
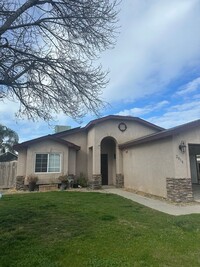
(32, 180)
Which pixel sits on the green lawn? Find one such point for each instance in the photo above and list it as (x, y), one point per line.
(91, 229)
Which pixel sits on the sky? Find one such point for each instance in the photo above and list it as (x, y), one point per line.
(154, 69)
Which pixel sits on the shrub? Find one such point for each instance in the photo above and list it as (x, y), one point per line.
(82, 180)
(63, 178)
(66, 180)
(32, 178)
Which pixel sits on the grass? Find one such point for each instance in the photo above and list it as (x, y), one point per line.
(59, 229)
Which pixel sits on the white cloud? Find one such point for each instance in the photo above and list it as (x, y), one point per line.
(27, 129)
(189, 87)
(137, 112)
(196, 96)
(158, 40)
(177, 115)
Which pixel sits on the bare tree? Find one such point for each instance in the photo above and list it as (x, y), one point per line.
(47, 53)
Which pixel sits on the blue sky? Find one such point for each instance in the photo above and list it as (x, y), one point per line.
(154, 68)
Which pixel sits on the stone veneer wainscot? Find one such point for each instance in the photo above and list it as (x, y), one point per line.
(179, 189)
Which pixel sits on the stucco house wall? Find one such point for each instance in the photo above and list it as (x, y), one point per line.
(83, 153)
(21, 163)
(79, 139)
(47, 147)
(90, 155)
(156, 165)
(110, 129)
(146, 166)
(182, 161)
(72, 161)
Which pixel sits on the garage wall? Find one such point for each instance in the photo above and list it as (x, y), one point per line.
(147, 166)
(182, 161)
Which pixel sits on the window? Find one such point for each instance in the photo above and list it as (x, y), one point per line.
(54, 163)
(47, 162)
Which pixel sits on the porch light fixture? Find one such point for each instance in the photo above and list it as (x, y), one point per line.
(182, 147)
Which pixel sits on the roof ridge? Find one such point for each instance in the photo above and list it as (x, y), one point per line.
(120, 117)
(49, 136)
(162, 134)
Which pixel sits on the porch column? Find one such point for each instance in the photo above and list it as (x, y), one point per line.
(96, 181)
(119, 169)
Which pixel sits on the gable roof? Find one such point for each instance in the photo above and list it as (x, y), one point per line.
(161, 135)
(106, 118)
(44, 138)
(126, 118)
(57, 136)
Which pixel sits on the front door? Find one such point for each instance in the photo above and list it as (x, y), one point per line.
(104, 169)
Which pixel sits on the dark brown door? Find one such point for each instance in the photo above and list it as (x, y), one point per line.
(104, 169)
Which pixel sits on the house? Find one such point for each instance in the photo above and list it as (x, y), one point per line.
(123, 151)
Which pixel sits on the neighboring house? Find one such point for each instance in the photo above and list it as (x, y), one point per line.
(8, 156)
(120, 151)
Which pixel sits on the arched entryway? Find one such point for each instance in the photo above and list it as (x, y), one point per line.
(108, 160)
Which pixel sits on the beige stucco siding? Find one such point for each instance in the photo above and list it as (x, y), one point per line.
(90, 153)
(47, 147)
(182, 161)
(147, 166)
(80, 139)
(91, 137)
(110, 129)
(72, 161)
(21, 162)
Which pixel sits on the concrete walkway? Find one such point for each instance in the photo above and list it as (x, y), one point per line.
(155, 203)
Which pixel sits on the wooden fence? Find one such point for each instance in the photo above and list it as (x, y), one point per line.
(8, 172)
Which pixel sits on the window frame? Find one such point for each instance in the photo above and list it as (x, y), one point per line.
(48, 156)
